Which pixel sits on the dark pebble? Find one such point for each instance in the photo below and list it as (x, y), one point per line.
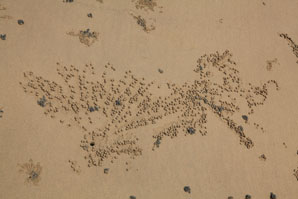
(3, 36)
(245, 117)
(92, 143)
(191, 130)
(20, 22)
(106, 170)
(89, 15)
(42, 101)
(117, 102)
(157, 142)
(132, 197)
(160, 70)
(230, 197)
(187, 189)
(247, 197)
(272, 196)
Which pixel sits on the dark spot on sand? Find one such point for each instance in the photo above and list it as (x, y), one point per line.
(187, 189)
(272, 196)
(117, 102)
(244, 117)
(92, 143)
(42, 101)
(247, 196)
(21, 22)
(191, 130)
(3, 36)
(106, 170)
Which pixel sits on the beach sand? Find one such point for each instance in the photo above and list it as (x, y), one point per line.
(144, 99)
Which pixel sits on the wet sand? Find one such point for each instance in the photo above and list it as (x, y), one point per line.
(148, 99)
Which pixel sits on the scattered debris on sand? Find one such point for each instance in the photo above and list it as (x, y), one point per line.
(263, 157)
(143, 23)
(32, 171)
(147, 5)
(270, 64)
(85, 36)
(291, 43)
(128, 103)
(75, 166)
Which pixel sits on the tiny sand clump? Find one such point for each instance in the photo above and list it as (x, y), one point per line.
(75, 166)
(143, 23)
(145, 4)
(271, 63)
(32, 171)
(85, 36)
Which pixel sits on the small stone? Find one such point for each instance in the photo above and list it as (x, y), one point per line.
(90, 15)
(244, 117)
(272, 196)
(247, 196)
(3, 36)
(20, 22)
(230, 197)
(41, 102)
(106, 170)
(187, 189)
(132, 197)
(117, 102)
(160, 70)
(191, 130)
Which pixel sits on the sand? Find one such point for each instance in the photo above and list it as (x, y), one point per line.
(143, 99)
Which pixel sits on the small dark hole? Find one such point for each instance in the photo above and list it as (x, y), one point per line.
(92, 144)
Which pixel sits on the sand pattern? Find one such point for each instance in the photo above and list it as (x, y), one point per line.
(291, 43)
(32, 172)
(85, 36)
(144, 14)
(75, 166)
(107, 110)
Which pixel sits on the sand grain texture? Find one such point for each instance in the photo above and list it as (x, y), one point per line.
(148, 99)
